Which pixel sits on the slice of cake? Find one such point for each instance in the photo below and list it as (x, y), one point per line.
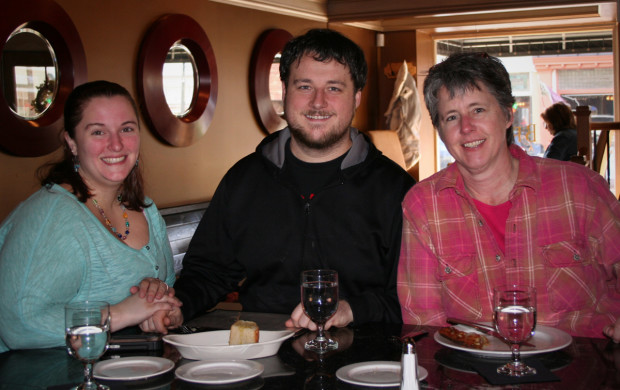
(243, 332)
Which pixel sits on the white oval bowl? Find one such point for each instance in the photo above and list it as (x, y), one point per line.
(214, 344)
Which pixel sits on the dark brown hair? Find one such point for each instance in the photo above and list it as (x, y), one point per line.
(325, 45)
(560, 116)
(62, 172)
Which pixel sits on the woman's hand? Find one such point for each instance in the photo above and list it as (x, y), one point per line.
(343, 317)
(152, 288)
(134, 310)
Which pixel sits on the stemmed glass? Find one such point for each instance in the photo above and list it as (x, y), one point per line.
(87, 329)
(319, 296)
(514, 317)
(320, 379)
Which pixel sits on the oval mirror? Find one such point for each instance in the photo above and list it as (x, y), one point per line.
(189, 120)
(265, 84)
(42, 61)
(179, 79)
(33, 63)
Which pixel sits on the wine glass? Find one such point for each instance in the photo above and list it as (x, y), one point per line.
(87, 329)
(514, 317)
(319, 296)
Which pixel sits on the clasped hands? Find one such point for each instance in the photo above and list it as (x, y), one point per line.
(165, 308)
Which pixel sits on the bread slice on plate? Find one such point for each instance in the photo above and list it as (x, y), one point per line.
(243, 332)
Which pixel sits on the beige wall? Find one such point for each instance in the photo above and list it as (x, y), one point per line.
(111, 32)
(425, 50)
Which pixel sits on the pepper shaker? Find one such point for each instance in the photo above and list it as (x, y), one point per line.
(409, 366)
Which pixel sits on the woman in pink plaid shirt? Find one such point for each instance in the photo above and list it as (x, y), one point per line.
(498, 216)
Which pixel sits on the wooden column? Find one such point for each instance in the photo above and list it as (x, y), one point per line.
(584, 136)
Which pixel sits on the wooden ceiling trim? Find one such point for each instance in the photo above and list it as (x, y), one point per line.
(306, 9)
(361, 10)
(548, 14)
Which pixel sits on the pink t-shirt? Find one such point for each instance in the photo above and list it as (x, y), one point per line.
(496, 217)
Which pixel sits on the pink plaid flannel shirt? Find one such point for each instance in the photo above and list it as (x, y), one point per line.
(562, 236)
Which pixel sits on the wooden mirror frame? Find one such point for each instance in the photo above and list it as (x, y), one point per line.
(40, 136)
(270, 43)
(171, 28)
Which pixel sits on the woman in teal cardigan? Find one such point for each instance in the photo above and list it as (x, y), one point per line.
(89, 233)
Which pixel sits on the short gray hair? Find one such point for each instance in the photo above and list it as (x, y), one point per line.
(464, 71)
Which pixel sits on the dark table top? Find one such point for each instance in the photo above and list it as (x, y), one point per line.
(585, 364)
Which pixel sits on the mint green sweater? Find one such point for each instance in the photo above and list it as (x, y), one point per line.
(53, 251)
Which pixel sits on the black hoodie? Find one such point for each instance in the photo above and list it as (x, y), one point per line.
(261, 233)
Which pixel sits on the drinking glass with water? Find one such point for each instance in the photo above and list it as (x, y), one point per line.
(319, 297)
(87, 330)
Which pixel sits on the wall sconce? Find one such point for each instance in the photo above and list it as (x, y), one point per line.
(380, 39)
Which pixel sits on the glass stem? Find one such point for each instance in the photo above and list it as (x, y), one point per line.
(88, 376)
(320, 336)
(516, 355)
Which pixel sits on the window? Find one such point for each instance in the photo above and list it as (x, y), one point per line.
(576, 68)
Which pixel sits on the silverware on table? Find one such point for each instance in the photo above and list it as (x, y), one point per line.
(487, 329)
(299, 331)
(412, 336)
(184, 329)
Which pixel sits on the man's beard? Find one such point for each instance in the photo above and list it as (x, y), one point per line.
(329, 138)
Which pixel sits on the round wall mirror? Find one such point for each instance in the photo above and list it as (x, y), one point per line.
(31, 73)
(179, 79)
(265, 84)
(42, 61)
(190, 111)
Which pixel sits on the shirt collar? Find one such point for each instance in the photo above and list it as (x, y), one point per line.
(274, 148)
(528, 169)
(451, 177)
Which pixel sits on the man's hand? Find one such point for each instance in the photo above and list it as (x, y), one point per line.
(299, 319)
(152, 288)
(613, 331)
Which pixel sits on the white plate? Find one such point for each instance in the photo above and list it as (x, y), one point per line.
(545, 339)
(131, 368)
(214, 344)
(375, 374)
(219, 371)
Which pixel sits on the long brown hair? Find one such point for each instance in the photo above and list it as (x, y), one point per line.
(63, 172)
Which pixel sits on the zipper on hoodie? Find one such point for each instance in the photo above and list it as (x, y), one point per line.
(307, 204)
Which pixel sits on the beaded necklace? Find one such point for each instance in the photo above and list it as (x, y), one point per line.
(109, 224)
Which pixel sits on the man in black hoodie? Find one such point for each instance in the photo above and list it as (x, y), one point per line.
(317, 194)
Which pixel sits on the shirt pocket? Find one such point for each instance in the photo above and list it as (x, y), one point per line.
(459, 281)
(571, 276)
